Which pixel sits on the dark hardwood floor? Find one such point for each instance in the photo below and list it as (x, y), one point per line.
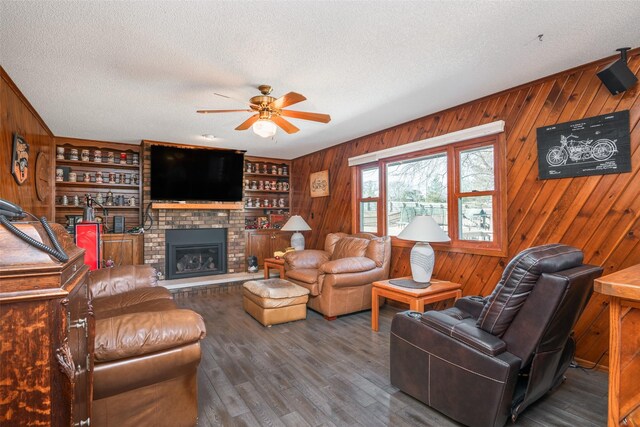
(319, 373)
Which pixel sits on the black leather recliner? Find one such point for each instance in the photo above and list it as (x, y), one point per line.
(486, 359)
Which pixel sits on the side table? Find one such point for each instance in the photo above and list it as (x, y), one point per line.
(439, 290)
(273, 263)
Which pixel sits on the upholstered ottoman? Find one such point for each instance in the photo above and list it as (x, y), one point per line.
(274, 301)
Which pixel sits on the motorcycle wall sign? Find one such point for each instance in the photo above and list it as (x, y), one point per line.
(593, 146)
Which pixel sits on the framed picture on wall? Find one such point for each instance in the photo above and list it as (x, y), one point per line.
(20, 159)
(319, 183)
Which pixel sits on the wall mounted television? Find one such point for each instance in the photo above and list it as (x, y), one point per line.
(196, 174)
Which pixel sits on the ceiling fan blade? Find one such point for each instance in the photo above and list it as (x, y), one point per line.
(285, 125)
(235, 99)
(316, 117)
(286, 100)
(247, 123)
(221, 111)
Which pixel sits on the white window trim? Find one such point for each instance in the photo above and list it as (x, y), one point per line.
(437, 141)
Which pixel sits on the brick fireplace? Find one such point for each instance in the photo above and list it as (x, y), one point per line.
(190, 219)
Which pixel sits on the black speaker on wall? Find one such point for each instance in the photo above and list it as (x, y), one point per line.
(118, 224)
(617, 76)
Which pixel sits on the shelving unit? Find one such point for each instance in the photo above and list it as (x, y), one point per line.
(131, 213)
(260, 241)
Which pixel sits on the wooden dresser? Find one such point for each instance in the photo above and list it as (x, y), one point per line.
(47, 330)
(623, 288)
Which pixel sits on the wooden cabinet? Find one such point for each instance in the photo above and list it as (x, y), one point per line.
(118, 166)
(263, 243)
(122, 249)
(623, 288)
(47, 331)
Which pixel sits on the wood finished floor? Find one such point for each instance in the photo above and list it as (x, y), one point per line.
(319, 373)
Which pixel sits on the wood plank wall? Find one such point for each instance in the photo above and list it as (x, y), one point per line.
(599, 214)
(17, 115)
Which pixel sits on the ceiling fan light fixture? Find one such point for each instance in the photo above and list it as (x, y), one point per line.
(264, 128)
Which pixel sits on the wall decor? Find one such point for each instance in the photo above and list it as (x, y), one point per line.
(319, 183)
(592, 146)
(20, 159)
(42, 177)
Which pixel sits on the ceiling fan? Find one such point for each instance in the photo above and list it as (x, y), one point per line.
(270, 112)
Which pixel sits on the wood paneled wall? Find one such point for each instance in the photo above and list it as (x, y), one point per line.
(17, 115)
(599, 214)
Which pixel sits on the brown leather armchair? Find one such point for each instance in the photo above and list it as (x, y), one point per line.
(147, 351)
(339, 277)
(486, 359)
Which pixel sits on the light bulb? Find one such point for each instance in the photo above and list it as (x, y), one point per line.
(264, 128)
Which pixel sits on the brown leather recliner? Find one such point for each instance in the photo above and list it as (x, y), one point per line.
(339, 278)
(486, 359)
(147, 351)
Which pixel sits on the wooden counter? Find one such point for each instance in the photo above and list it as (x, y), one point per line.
(623, 288)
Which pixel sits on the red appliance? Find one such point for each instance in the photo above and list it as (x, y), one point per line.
(88, 238)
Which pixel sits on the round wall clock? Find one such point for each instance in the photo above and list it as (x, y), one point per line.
(42, 177)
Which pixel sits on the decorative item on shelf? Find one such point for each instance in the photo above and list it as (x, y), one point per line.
(110, 157)
(99, 179)
(256, 204)
(109, 199)
(135, 159)
(97, 156)
(65, 200)
(265, 168)
(274, 169)
(59, 175)
(72, 177)
(285, 186)
(123, 158)
(84, 155)
(280, 171)
(285, 170)
(76, 200)
(118, 178)
(254, 185)
(279, 186)
(274, 185)
(422, 229)
(267, 185)
(282, 203)
(60, 153)
(136, 179)
(263, 222)
(248, 203)
(261, 185)
(249, 169)
(99, 198)
(252, 262)
(274, 202)
(127, 178)
(132, 201)
(112, 177)
(297, 224)
(265, 203)
(87, 177)
(247, 185)
(73, 154)
(250, 223)
(277, 220)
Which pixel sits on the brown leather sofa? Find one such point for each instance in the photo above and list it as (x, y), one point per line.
(486, 359)
(147, 351)
(339, 277)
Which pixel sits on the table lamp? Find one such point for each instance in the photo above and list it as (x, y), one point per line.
(297, 224)
(422, 229)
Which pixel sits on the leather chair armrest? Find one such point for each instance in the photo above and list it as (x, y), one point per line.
(106, 282)
(472, 305)
(348, 265)
(136, 334)
(308, 258)
(466, 332)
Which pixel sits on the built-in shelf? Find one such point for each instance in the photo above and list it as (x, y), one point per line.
(101, 164)
(98, 208)
(268, 207)
(196, 206)
(267, 175)
(267, 191)
(94, 184)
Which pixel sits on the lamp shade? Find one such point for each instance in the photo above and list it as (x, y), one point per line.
(296, 223)
(423, 228)
(264, 128)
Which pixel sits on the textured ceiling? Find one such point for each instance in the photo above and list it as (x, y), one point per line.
(126, 71)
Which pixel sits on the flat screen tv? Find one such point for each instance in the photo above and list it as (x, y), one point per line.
(196, 174)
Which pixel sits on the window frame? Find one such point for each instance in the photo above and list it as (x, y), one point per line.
(497, 247)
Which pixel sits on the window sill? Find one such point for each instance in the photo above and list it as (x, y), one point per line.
(457, 248)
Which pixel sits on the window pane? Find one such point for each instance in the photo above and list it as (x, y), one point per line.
(476, 218)
(416, 187)
(370, 184)
(476, 170)
(369, 217)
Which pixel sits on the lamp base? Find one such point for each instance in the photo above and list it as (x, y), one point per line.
(297, 241)
(422, 262)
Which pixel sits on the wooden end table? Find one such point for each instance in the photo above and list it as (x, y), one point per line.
(439, 290)
(273, 263)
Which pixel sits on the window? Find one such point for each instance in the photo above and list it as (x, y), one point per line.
(459, 185)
